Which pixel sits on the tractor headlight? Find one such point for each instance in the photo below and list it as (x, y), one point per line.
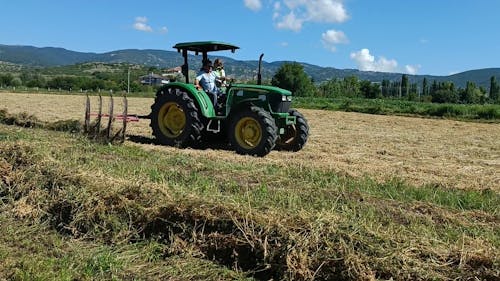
(289, 98)
(283, 98)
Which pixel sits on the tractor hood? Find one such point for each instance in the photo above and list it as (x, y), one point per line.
(261, 88)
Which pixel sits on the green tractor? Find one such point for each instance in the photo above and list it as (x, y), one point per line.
(255, 119)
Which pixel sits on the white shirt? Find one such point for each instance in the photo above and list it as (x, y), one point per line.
(207, 81)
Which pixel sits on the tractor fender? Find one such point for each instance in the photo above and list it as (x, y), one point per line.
(201, 99)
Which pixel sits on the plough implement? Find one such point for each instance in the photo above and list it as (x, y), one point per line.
(101, 128)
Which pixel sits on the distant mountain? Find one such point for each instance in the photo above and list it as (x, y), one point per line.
(45, 57)
(33, 56)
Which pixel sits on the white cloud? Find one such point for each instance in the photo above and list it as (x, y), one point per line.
(326, 11)
(277, 8)
(253, 5)
(163, 30)
(367, 62)
(141, 24)
(291, 22)
(141, 19)
(332, 37)
(412, 69)
(284, 44)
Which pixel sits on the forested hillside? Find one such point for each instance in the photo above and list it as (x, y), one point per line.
(29, 56)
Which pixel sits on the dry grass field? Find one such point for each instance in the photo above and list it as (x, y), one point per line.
(437, 152)
(370, 197)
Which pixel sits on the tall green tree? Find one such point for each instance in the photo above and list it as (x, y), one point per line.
(33, 79)
(413, 92)
(471, 94)
(331, 88)
(405, 85)
(444, 96)
(494, 90)
(63, 82)
(6, 79)
(425, 87)
(291, 76)
(385, 87)
(434, 87)
(370, 90)
(444, 92)
(351, 86)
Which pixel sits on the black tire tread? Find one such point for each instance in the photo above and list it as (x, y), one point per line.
(192, 133)
(270, 131)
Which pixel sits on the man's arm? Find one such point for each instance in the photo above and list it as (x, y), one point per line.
(197, 81)
(197, 84)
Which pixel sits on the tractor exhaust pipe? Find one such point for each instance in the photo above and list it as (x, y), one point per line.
(259, 75)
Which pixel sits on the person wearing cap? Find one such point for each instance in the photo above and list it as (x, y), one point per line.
(206, 80)
(221, 74)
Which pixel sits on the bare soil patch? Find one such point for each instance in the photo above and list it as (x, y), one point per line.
(439, 152)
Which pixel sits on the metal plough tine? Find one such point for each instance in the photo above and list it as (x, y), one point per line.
(97, 129)
(109, 129)
(121, 133)
(87, 115)
(107, 134)
(125, 116)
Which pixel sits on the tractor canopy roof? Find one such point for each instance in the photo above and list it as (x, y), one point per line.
(205, 46)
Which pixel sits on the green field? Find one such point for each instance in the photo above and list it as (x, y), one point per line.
(71, 209)
(475, 112)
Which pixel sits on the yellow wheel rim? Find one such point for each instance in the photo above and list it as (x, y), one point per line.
(248, 133)
(171, 120)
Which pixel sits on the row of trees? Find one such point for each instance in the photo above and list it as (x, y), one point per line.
(96, 81)
(292, 76)
(289, 76)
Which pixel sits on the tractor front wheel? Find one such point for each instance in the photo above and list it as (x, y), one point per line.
(253, 132)
(174, 119)
(295, 136)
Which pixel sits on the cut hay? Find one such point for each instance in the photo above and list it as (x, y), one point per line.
(432, 152)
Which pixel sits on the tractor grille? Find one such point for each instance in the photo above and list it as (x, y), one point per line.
(277, 105)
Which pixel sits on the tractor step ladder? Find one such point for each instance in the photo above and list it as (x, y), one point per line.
(210, 129)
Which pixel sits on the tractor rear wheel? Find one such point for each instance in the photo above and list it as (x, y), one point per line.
(174, 118)
(252, 131)
(295, 136)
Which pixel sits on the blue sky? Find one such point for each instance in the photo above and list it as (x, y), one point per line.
(438, 37)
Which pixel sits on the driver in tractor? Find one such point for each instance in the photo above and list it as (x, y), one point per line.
(206, 80)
